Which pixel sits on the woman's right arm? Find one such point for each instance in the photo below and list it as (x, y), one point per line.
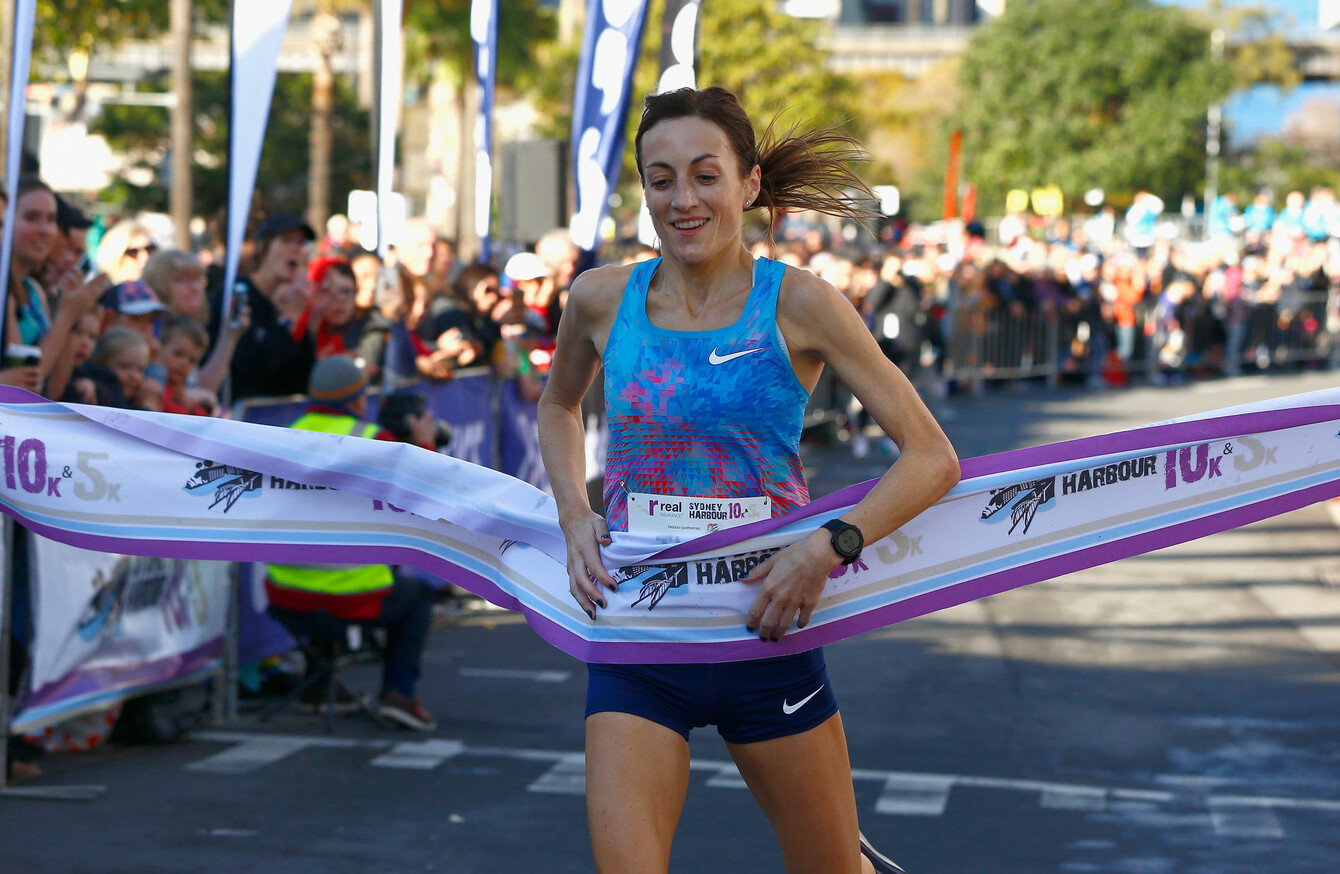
(576, 360)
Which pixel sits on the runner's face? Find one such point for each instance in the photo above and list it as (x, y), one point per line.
(694, 190)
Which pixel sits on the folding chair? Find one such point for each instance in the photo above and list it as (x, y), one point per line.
(324, 640)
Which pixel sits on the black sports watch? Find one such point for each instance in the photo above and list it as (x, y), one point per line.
(846, 538)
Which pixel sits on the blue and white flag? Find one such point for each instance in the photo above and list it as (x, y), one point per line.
(679, 59)
(389, 73)
(600, 109)
(258, 33)
(484, 32)
(24, 13)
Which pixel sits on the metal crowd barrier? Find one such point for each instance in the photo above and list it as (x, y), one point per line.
(984, 346)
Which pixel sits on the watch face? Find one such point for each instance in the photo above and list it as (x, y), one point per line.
(848, 541)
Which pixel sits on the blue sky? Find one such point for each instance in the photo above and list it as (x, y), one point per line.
(1301, 13)
(1263, 110)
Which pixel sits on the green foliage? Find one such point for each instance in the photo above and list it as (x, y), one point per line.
(142, 134)
(1056, 93)
(772, 61)
(1281, 166)
(64, 26)
(437, 38)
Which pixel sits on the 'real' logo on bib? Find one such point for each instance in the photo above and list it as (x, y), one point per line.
(1025, 499)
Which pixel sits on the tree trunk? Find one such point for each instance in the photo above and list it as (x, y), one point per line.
(326, 41)
(181, 196)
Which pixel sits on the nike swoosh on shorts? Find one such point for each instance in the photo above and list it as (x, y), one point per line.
(788, 708)
(714, 358)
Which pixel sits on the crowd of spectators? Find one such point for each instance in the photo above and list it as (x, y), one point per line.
(1101, 299)
(140, 326)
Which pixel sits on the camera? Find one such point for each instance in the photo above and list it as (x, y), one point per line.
(22, 355)
(237, 305)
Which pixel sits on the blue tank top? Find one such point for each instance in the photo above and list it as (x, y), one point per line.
(712, 414)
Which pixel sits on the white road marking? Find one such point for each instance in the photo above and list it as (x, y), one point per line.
(904, 793)
(727, 777)
(419, 756)
(566, 777)
(1233, 819)
(257, 750)
(915, 795)
(507, 674)
(1074, 798)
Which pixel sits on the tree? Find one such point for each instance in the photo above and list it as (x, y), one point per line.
(772, 61)
(326, 41)
(141, 134)
(438, 47)
(1057, 94)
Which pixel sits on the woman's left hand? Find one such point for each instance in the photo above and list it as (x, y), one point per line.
(793, 580)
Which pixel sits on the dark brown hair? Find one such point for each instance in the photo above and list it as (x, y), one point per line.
(188, 327)
(800, 169)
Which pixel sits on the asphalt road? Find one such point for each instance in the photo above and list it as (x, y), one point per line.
(1176, 712)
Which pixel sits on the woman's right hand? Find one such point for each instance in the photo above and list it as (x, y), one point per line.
(586, 572)
(26, 377)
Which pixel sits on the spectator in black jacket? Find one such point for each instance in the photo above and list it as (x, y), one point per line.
(269, 360)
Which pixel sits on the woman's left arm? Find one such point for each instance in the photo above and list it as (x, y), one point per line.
(822, 328)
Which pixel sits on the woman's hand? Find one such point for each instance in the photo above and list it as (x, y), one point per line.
(85, 295)
(586, 573)
(24, 376)
(793, 580)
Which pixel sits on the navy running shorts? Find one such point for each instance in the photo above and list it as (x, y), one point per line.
(747, 701)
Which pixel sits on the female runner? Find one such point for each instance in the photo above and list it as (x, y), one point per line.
(709, 357)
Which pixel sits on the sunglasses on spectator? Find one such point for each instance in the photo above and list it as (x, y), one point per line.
(134, 251)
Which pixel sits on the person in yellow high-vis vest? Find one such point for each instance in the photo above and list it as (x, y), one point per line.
(371, 594)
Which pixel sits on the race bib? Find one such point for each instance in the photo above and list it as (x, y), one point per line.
(688, 516)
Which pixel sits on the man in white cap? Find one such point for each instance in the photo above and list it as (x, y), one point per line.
(370, 594)
(535, 285)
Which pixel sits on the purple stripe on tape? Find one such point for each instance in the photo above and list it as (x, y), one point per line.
(1132, 441)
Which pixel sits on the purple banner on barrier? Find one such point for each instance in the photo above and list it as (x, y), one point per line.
(521, 437)
(466, 404)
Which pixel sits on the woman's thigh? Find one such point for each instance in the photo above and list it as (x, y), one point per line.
(637, 774)
(803, 783)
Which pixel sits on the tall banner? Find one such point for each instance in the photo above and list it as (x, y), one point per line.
(389, 72)
(24, 14)
(484, 33)
(679, 57)
(110, 626)
(173, 486)
(610, 47)
(257, 34)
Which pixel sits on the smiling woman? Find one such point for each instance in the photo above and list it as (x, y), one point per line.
(709, 356)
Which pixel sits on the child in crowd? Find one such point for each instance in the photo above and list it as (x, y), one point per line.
(125, 352)
(83, 385)
(184, 344)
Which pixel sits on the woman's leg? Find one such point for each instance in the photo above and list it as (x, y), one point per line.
(803, 783)
(637, 774)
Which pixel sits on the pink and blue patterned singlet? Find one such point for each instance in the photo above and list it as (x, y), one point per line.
(714, 414)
